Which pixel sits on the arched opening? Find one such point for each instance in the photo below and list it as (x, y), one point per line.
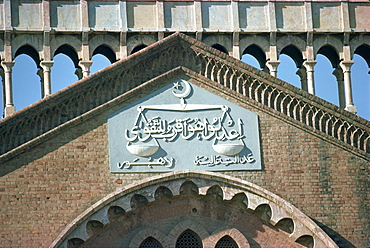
(138, 48)
(326, 84)
(27, 83)
(226, 242)
(190, 219)
(189, 239)
(252, 54)
(107, 52)
(220, 48)
(63, 72)
(70, 52)
(361, 81)
(99, 62)
(364, 52)
(287, 71)
(150, 242)
(291, 61)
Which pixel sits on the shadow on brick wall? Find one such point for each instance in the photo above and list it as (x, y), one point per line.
(338, 239)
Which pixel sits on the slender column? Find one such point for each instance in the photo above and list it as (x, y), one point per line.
(85, 66)
(46, 67)
(40, 73)
(309, 65)
(338, 73)
(78, 73)
(301, 72)
(272, 66)
(346, 67)
(9, 105)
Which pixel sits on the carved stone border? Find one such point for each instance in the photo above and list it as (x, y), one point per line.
(230, 186)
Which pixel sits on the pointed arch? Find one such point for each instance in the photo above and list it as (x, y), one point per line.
(262, 43)
(188, 239)
(146, 233)
(71, 41)
(30, 51)
(257, 52)
(291, 40)
(33, 41)
(184, 209)
(136, 40)
(220, 42)
(107, 41)
(68, 50)
(106, 51)
(331, 53)
(138, 48)
(364, 51)
(294, 53)
(220, 48)
(332, 42)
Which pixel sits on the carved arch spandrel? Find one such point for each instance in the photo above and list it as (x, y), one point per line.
(72, 41)
(136, 40)
(254, 196)
(234, 233)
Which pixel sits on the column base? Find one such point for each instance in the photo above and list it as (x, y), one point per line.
(9, 111)
(351, 108)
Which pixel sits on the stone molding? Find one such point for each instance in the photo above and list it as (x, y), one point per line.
(230, 189)
(180, 50)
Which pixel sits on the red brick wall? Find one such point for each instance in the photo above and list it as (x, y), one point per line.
(46, 187)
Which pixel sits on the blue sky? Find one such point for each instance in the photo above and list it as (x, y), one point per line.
(27, 86)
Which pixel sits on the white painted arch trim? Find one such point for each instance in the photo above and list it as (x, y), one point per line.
(230, 186)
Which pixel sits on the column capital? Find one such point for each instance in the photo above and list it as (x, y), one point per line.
(46, 65)
(85, 64)
(346, 65)
(309, 65)
(302, 73)
(7, 65)
(338, 73)
(272, 66)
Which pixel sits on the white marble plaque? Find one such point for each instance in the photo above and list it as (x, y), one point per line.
(182, 127)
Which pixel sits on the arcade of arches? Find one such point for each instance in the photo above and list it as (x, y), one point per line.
(339, 54)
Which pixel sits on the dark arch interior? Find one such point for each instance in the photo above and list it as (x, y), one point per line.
(138, 48)
(189, 239)
(294, 53)
(331, 54)
(70, 52)
(364, 51)
(30, 51)
(220, 48)
(256, 52)
(107, 52)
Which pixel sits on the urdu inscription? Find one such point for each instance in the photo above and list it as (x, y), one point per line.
(170, 130)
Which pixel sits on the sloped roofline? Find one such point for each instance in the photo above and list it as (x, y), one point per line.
(179, 50)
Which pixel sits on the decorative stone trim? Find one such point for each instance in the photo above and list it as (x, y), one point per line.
(255, 195)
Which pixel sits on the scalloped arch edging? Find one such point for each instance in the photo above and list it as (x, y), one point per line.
(96, 217)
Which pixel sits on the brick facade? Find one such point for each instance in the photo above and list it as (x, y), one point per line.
(47, 186)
